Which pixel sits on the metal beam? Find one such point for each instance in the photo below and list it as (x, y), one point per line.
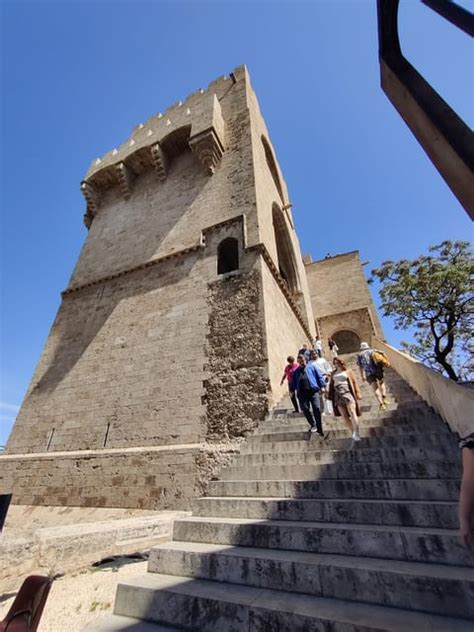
(444, 136)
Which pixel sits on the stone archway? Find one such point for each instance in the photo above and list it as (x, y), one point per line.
(347, 341)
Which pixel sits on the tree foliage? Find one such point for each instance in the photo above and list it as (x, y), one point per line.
(434, 294)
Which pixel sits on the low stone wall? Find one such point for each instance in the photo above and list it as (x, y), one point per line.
(73, 547)
(141, 478)
(454, 403)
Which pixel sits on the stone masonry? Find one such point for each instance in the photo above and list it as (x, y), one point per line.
(156, 365)
(163, 355)
(341, 300)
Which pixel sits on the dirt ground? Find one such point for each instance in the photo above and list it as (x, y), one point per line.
(22, 518)
(77, 601)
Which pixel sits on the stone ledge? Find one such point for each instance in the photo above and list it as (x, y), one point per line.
(77, 546)
(71, 454)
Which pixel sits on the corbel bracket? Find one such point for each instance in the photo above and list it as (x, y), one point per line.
(125, 178)
(93, 200)
(159, 160)
(208, 149)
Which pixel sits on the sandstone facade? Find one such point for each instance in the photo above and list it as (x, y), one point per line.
(152, 346)
(189, 293)
(341, 301)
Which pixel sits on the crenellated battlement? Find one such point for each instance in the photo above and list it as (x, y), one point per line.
(196, 122)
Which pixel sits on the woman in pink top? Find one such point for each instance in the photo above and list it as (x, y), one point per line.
(288, 375)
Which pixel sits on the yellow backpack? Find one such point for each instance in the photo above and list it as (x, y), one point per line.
(380, 359)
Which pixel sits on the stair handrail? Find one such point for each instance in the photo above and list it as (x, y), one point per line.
(453, 402)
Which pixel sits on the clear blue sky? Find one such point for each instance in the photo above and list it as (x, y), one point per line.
(78, 76)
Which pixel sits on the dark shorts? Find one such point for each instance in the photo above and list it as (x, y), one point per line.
(377, 376)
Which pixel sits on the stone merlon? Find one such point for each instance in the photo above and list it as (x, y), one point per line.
(197, 121)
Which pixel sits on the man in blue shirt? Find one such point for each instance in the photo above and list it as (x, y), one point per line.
(308, 381)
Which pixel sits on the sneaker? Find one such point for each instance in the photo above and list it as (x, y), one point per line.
(355, 436)
(313, 429)
(383, 406)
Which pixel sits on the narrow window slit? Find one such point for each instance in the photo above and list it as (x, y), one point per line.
(106, 435)
(50, 439)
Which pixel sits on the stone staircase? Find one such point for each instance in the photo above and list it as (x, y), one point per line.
(303, 535)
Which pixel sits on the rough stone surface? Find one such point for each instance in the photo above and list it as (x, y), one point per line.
(341, 298)
(151, 347)
(145, 478)
(54, 550)
(236, 390)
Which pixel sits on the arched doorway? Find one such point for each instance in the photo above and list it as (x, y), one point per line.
(347, 341)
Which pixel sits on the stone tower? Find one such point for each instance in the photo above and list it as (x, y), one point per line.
(341, 301)
(188, 294)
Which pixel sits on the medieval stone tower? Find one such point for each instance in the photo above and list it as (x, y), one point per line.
(188, 294)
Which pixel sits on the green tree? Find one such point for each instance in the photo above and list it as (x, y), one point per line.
(434, 294)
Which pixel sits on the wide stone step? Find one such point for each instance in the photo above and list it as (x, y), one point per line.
(117, 623)
(415, 513)
(355, 455)
(210, 606)
(412, 469)
(396, 388)
(393, 430)
(427, 423)
(411, 544)
(433, 588)
(337, 428)
(370, 410)
(302, 441)
(369, 406)
(395, 489)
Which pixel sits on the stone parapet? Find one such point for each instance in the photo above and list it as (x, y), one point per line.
(197, 123)
(165, 477)
(451, 401)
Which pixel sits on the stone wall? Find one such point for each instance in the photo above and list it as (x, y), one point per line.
(340, 296)
(452, 401)
(150, 346)
(162, 217)
(145, 478)
(74, 547)
(284, 334)
(111, 371)
(272, 197)
(236, 390)
(357, 321)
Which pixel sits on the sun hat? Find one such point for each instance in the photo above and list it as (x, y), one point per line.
(364, 346)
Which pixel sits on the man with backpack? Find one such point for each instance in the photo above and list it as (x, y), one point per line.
(371, 365)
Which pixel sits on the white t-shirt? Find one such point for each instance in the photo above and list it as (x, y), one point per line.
(318, 345)
(323, 365)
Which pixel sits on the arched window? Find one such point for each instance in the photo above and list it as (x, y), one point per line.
(285, 253)
(272, 167)
(228, 255)
(347, 341)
